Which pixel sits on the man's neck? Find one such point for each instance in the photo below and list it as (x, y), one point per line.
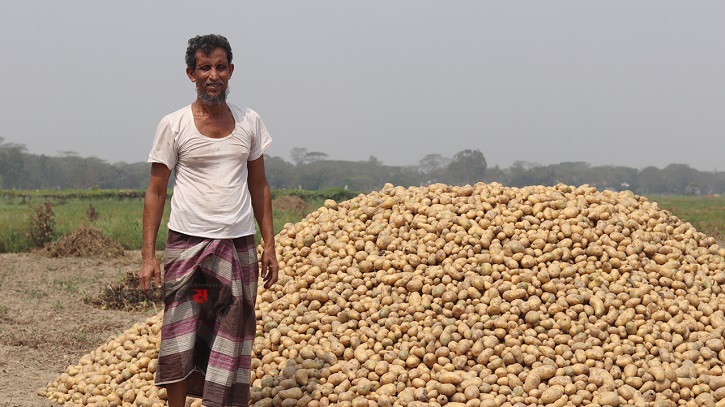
(214, 110)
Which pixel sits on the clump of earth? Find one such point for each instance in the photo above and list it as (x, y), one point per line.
(291, 203)
(125, 295)
(85, 241)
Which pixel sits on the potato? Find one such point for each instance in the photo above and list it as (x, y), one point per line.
(481, 295)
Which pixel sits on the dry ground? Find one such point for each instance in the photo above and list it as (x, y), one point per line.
(44, 323)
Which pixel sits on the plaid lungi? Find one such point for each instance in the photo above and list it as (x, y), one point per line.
(210, 288)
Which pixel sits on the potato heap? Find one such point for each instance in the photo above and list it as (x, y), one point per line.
(119, 372)
(469, 296)
(492, 296)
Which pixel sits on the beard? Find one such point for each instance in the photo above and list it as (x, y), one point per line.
(210, 100)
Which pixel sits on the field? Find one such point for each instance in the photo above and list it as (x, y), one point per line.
(118, 214)
(45, 322)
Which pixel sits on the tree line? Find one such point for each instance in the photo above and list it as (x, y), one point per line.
(315, 171)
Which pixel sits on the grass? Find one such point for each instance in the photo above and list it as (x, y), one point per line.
(706, 214)
(72, 284)
(119, 219)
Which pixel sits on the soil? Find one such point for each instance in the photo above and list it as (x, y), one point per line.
(47, 321)
(291, 203)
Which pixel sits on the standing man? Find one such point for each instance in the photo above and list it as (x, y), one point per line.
(211, 268)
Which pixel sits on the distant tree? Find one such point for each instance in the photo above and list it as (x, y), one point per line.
(571, 172)
(315, 156)
(21, 170)
(681, 179)
(432, 163)
(374, 161)
(280, 174)
(12, 164)
(496, 174)
(651, 182)
(521, 174)
(298, 155)
(526, 165)
(518, 175)
(133, 175)
(466, 167)
(301, 156)
(614, 178)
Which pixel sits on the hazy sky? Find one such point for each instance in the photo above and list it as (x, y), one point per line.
(633, 83)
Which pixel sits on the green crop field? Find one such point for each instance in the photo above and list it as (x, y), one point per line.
(119, 219)
(118, 216)
(119, 213)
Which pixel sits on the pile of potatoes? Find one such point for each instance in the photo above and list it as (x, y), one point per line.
(484, 295)
(119, 372)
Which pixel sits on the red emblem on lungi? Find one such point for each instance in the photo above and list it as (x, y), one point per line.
(201, 295)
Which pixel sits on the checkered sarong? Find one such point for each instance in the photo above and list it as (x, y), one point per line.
(210, 288)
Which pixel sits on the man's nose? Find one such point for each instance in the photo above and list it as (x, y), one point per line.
(214, 74)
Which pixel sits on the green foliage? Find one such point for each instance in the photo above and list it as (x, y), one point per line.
(338, 194)
(21, 170)
(41, 224)
(467, 167)
(64, 194)
(72, 177)
(675, 179)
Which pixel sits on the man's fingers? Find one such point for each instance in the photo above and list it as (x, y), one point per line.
(270, 277)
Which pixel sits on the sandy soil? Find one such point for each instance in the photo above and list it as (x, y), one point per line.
(45, 325)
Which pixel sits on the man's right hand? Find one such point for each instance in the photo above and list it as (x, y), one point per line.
(150, 270)
(153, 210)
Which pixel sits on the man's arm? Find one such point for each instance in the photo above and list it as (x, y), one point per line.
(153, 211)
(262, 207)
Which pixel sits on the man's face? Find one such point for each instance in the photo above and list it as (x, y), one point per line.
(211, 76)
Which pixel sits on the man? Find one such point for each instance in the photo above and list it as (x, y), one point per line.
(211, 269)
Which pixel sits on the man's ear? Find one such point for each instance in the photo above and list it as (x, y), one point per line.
(231, 70)
(190, 74)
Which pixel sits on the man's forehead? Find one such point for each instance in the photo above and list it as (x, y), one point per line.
(215, 54)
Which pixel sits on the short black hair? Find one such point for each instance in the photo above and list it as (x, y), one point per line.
(206, 43)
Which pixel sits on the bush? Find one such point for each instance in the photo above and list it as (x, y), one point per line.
(91, 213)
(41, 225)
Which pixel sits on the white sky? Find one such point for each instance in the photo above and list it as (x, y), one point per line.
(610, 83)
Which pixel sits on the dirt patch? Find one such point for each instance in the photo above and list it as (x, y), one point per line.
(84, 241)
(45, 324)
(292, 204)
